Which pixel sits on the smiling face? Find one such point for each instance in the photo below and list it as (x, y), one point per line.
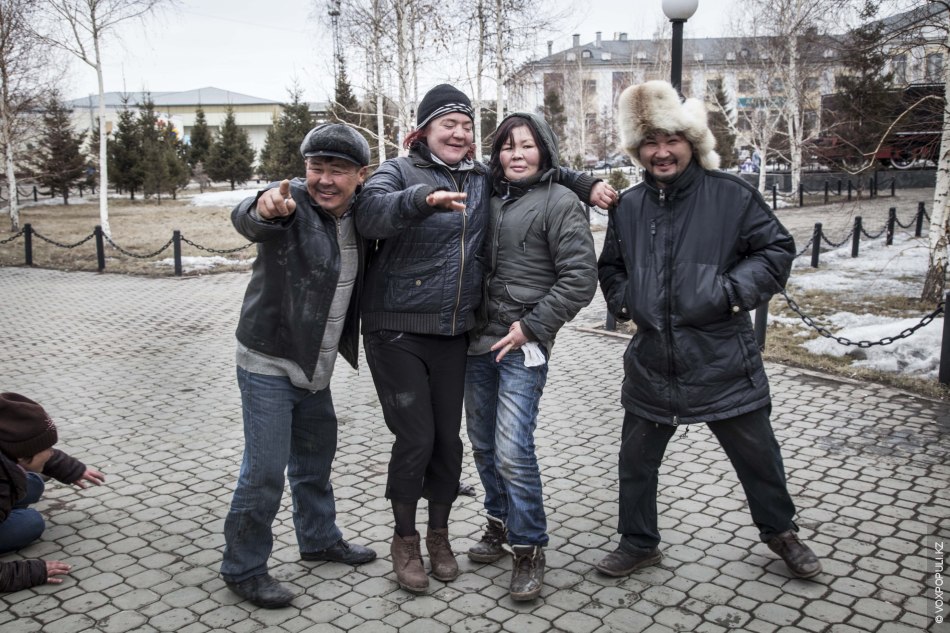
(450, 137)
(519, 155)
(332, 182)
(665, 156)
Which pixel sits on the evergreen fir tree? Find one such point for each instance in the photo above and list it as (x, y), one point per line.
(345, 107)
(231, 157)
(125, 152)
(553, 113)
(151, 170)
(59, 162)
(280, 157)
(200, 139)
(860, 113)
(721, 129)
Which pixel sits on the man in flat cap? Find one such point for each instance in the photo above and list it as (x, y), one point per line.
(300, 309)
(687, 254)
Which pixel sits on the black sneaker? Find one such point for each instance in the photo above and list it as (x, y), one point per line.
(342, 552)
(621, 562)
(799, 558)
(262, 590)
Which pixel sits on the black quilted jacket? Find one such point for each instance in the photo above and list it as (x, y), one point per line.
(686, 264)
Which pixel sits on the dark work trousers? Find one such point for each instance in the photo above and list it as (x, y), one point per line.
(420, 380)
(749, 443)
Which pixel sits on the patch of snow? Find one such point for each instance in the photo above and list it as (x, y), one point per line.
(222, 198)
(194, 264)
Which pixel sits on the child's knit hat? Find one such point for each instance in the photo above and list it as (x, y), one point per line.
(25, 427)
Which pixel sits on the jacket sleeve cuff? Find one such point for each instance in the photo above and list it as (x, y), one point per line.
(528, 334)
(419, 199)
(585, 183)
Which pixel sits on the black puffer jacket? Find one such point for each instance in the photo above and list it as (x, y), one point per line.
(423, 276)
(686, 264)
(297, 267)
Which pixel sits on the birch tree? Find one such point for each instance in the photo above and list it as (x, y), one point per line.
(784, 33)
(81, 28)
(939, 235)
(24, 82)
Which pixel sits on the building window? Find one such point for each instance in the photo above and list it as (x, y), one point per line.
(811, 83)
(590, 88)
(746, 86)
(776, 85)
(586, 54)
(899, 68)
(934, 66)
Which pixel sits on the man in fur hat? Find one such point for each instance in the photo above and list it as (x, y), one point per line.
(688, 253)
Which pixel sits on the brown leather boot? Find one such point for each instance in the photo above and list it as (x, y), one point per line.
(441, 557)
(407, 563)
(799, 558)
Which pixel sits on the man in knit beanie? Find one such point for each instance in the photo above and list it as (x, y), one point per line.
(27, 436)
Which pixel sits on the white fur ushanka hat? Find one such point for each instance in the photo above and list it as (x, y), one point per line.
(654, 106)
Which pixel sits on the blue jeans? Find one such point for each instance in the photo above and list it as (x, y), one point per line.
(501, 412)
(23, 525)
(284, 427)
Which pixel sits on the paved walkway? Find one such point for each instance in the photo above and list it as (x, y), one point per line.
(138, 374)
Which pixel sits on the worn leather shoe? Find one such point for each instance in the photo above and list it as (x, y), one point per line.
(527, 572)
(342, 552)
(621, 562)
(262, 590)
(799, 558)
(491, 547)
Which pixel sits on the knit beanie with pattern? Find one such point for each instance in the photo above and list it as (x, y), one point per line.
(25, 427)
(442, 100)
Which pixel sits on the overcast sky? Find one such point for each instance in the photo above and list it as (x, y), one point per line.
(259, 48)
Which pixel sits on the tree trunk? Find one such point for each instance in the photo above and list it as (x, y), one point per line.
(935, 281)
(11, 183)
(479, 69)
(763, 152)
(103, 156)
(793, 114)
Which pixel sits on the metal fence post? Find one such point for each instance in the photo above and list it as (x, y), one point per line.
(856, 238)
(849, 190)
(891, 219)
(761, 324)
(35, 194)
(774, 196)
(28, 243)
(801, 195)
(826, 192)
(839, 186)
(100, 249)
(815, 245)
(918, 230)
(176, 249)
(944, 374)
(893, 187)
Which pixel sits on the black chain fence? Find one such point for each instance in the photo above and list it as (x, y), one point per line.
(28, 232)
(887, 340)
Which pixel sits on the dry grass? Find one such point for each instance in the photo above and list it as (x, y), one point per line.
(140, 227)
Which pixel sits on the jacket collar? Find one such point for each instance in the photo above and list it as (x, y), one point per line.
(517, 188)
(685, 184)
